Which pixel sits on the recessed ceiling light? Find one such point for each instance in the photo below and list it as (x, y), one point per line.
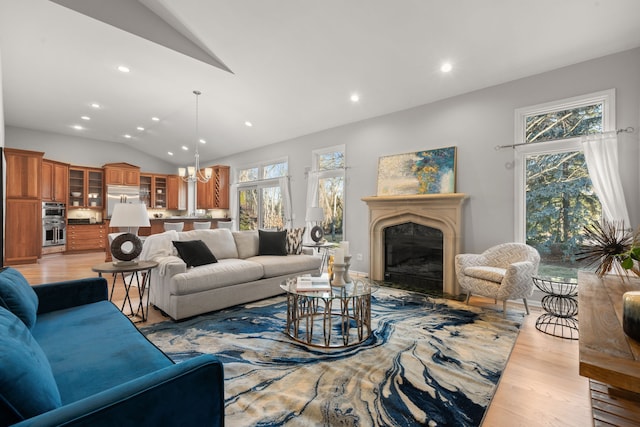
(155, 119)
(446, 67)
(77, 127)
(126, 135)
(85, 118)
(248, 124)
(170, 153)
(202, 141)
(123, 69)
(95, 105)
(185, 148)
(355, 97)
(140, 128)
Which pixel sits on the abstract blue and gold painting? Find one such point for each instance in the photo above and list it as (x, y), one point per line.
(420, 172)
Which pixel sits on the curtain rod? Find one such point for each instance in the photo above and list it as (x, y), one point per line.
(628, 129)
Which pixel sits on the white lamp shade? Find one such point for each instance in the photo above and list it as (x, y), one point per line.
(191, 170)
(129, 215)
(315, 214)
(182, 172)
(208, 172)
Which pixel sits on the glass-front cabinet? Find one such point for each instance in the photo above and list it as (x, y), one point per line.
(86, 187)
(153, 191)
(145, 189)
(160, 186)
(95, 188)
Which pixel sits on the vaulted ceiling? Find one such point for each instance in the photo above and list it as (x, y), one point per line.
(288, 67)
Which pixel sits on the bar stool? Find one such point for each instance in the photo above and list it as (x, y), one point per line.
(202, 225)
(178, 226)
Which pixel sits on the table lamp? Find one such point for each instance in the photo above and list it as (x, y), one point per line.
(315, 215)
(127, 246)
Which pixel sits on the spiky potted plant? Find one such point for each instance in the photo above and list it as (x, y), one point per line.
(610, 246)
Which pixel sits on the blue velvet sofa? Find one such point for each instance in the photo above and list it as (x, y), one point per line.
(68, 356)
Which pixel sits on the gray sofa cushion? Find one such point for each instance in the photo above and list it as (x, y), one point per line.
(247, 243)
(220, 241)
(225, 272)
(275, 265)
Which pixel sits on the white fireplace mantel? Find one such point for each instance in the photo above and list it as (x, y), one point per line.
(439, 211)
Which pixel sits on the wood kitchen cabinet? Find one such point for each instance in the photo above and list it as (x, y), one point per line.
(86, 237)
(24, 177)
(205, 197)
(145, 189)
(221, 190)
(154, 191)
(121, 174)
(23, 231)
(86, 187)
(214, 194)
(159, 191)
(55, 181)
(176, 193)
(23, 221)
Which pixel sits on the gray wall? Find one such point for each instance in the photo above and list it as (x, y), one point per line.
(475, 122)
(83, 151)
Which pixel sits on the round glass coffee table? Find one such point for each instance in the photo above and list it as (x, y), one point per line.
(334, 318)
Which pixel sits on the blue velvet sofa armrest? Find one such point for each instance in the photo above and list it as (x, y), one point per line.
(190, 393)
(71, 293)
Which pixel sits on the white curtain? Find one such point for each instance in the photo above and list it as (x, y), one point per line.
(285, 191)
(312, 201)
(601, 155)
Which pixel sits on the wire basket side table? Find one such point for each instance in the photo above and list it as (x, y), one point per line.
(560, 306)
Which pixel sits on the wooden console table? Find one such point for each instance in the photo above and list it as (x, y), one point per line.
(606, 353)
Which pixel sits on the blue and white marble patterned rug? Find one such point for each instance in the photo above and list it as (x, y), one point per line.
(432, 362)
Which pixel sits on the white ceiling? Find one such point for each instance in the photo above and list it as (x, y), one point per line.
(294, 63)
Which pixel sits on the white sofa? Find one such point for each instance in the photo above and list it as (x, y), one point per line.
(240, 274)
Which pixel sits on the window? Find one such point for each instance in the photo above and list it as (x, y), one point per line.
(329, 170)
(554, 195)
(260, 199)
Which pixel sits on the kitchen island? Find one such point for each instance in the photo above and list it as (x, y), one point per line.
(157, 224)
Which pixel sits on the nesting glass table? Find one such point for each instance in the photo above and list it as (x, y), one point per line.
(336, 318)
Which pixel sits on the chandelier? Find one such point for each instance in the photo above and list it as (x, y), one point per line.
(194, 173)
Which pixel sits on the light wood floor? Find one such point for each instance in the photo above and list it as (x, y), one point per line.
(539, 387)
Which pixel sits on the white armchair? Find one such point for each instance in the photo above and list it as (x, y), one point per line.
(502, 272)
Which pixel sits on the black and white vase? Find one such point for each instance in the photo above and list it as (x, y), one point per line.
(631, 314)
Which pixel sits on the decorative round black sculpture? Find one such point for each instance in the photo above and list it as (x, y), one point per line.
(120, 241)
(317, 233)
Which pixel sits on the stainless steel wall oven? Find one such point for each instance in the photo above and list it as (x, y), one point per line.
(54, 226)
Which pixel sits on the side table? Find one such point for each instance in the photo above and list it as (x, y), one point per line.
(141, 272)
(325, 252)
(560, 306)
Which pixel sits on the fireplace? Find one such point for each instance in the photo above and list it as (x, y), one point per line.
(413, 255)
(441, 213)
